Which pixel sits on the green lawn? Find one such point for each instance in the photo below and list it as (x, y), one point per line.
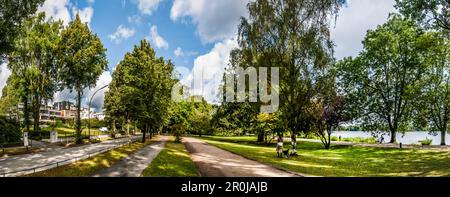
(173, 161)
(62, 132)
(87, 167)
(342, 161)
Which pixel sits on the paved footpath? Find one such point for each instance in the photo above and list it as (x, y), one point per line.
(214, 162)
(28, 161)
(136, 163)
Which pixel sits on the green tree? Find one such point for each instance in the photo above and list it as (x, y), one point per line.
(37, 45)
(9, 103)
(435, 85)
(294, 36)
(12, 12)
(431, 13)
(141, 89)
(380, 82)
(82, 59)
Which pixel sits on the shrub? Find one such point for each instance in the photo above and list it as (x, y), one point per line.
(9, 131)
(426, 142)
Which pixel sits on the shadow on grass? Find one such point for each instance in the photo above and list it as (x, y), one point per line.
(342, 160)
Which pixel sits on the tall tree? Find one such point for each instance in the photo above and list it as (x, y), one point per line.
(435, 85)
(431, 13)
(294, 36)
(82, 59)
(12, 12)
(141, 89)
(37, 46)
(380, 81)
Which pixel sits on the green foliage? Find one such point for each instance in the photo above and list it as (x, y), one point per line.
(82, 59)
(194, 116)
(9, 131)
(381, 82)
(95, 123)
(140, 91)
(293, 36)
(178, 131)
(431, 13)
(12, 12)
(426, 142)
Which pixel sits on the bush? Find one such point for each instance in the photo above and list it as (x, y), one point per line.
(426, 142)
(9, 131)
(43, 134)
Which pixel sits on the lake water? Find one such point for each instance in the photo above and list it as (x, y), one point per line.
(406, 138)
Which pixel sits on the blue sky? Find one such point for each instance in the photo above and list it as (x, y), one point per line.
(110, 14)
(197, 35)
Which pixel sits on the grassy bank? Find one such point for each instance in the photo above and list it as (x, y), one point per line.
(87, 167)
(342, 161)
(173, 161)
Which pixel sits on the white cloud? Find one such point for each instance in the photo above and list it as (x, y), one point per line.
(180, 53)
(60, 10)
(156, 39)
(354, 21)
(147, 7)
(97, 101)
(211, 68)
(135, 19)
(86, 14)
(4, 74)
(122, 33)
(216, 20)
(91, 1)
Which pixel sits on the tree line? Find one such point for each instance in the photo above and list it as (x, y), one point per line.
(45, 57)
(399, 81)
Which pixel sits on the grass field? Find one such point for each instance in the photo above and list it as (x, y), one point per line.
(87, 167)
(62, 132)
(342, 161)
(173, 161)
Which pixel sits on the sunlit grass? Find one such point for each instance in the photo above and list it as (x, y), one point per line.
(17, 151)
(342, 161)
(62, 132)
(87, 167)
(173, 161)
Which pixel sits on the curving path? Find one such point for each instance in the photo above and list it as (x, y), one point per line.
(215, 162)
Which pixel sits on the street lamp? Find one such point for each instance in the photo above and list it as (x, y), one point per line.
(89, 117)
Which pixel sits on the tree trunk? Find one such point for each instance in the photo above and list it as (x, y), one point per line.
(79, 139)
(128, 126)
(143, 134)
(443, 133)
(26, 115)
(36, 115)
(114, 128)
(150, 133)
(393, 136)
(18, 114)
(260, 137)
(294, 144)
(328, 143)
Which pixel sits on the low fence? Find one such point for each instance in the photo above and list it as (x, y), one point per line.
(4, 146)
(64, 162)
